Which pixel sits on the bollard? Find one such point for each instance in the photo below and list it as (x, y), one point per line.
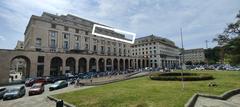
(59, 103)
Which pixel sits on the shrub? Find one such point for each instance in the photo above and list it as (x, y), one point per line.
(177, 76)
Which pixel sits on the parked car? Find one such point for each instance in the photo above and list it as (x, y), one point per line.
(3, 90)
(58, 85)
(31, 81)
(36, 88)
(15, 92)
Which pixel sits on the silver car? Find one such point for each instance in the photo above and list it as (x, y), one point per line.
(3, 90)
(15, 92)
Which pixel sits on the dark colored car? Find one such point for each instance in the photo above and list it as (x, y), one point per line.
(15, 92)
(31, 81)
(3, 90)
(55, 78)
(58, 85)
(36, 88)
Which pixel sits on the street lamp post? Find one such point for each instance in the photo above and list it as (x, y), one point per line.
(183, 65)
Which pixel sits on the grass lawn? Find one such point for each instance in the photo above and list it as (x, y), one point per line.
(143, 92)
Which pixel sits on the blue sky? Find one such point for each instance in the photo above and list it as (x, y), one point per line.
(200, 19)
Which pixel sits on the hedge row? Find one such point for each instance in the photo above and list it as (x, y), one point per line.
(177, 76)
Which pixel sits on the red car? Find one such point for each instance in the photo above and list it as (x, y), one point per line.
(32, 81)
(37, 88)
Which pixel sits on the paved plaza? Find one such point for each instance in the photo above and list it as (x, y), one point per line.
(234, 101)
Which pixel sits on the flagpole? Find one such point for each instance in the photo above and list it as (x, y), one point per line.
(182, 59)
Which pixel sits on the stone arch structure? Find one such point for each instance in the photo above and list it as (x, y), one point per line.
(70, 65)
(56, 66)
(82, 65)
(93, 65)
(25, 69)
(101, 64)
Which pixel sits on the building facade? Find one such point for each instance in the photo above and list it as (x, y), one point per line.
(58, 44)
(194, 55)
(158, 52)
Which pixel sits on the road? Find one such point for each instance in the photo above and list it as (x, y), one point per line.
(37, 100)
(42, 100)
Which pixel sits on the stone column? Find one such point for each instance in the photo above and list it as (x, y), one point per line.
(47, 65)
(33, 67)
(124, 65)
(97, 67)
(112, 64)
(118, 68)
(87, 65)
(76, 66)
(105, 64)
(129, 63)
(63, 66)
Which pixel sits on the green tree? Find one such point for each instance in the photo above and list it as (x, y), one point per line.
(229, 42)
(212, 55)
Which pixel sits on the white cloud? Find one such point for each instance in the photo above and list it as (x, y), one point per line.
(2, 38)
(199, 19)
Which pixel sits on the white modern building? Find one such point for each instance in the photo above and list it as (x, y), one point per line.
(157, 52)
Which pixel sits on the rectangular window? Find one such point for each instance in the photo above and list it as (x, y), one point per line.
(86, 32)
(86, 39)
(109, 49)
(40, 59)
(77, 46)
(65, 28)
(102, 42)
(86, 46)
(65, 45)
(53, 43)
(76, 30)
(65, 35)
(94, 48)
(53, 34)
(120, 51)
(102, 48)
(38, 42)
(53, 26)
(77, 37)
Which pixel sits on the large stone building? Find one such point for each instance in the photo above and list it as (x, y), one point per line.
(194, 55)
(58, 44)
(158, 52)
(54, 45)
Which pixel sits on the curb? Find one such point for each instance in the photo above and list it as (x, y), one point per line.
(191, 102)
(115, 80)
(64, 102)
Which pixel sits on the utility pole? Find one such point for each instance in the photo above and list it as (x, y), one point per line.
(182, 60)
(206, 44)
